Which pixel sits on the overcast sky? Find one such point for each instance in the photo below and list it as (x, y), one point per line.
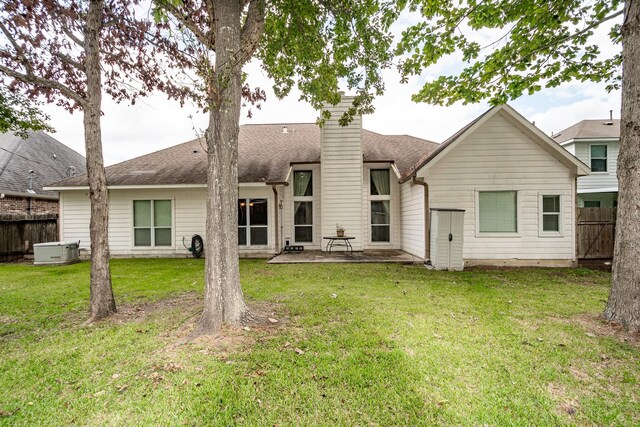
(155, 123)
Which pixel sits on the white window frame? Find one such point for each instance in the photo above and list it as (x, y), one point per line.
(376, 198)
(518, 213)
(606, 159)
(541, 214)
(304, 199)
(247, 227)
(152, 226)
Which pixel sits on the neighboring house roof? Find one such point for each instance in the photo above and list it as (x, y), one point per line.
(589, 129)
(47, 157)
(518, 120)
(265, 154)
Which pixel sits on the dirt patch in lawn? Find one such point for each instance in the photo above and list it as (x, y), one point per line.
(267, 320)
(596, 326)
(188, 302)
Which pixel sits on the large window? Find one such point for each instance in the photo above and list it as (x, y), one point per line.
(380, 202)
(551, 214)
(598, 158)
(253, 222)
(498, 211)
(303, 206)
(152, 223)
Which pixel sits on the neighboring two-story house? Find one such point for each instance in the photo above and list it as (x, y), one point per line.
(596, 143)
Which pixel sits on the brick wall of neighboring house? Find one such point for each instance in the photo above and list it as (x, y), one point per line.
(20, 205)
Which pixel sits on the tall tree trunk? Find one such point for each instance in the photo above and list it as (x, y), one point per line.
(224, 301)
(102, 302)
(624, 300)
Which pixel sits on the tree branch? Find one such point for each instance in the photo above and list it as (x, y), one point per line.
(19, 51)
(185, 20)
(252, 30)
(35, 80)
(68, 60)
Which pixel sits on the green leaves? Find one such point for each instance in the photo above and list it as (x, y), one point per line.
(316, 45)
(542, 44)
(18, 115)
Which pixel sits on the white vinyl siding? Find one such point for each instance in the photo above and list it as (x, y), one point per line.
(598, 180)
(499, 156)
(342, 175)
(75, 212)
(189, 219)
(412, 219)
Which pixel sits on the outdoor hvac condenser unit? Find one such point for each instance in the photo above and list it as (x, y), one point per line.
(55, 253)
(447, 231)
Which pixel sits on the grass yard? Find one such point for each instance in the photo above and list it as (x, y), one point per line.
(399, 345)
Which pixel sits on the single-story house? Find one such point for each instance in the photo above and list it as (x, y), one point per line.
(297, 182)
(596, 143)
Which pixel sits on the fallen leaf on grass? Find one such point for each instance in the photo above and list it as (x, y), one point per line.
(123, 388)
(590, 335)
(155, 376)
(8, 413)
(172, 367)
(299, 351)
(272, 320)
(258, 373)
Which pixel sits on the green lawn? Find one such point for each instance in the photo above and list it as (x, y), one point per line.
(399, 345)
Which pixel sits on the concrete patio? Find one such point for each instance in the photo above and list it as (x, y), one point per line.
(369, 256)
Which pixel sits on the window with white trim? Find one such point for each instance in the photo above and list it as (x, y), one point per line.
(253, 227)
(152, 223)
(380, 204)
(598, 156)
(551, 218)
(498, 211)
(303, 206)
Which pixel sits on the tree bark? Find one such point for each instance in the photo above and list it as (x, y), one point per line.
(224, 301)
(623, 306)
(102, 301)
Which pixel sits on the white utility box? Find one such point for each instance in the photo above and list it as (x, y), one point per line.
(56, 253)
(447, 239)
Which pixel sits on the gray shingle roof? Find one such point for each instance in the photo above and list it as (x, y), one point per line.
(47, 157)
(589, 129)
(264, 155)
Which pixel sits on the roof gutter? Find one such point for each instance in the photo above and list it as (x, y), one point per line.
(29, 195)
(427, 217)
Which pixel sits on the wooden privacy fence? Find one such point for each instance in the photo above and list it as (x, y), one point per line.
(18, 233)
(596, 232)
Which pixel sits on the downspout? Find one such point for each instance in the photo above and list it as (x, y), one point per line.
(277, 207)
(427, 218)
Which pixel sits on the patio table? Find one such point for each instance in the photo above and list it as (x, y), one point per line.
(344, 241)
